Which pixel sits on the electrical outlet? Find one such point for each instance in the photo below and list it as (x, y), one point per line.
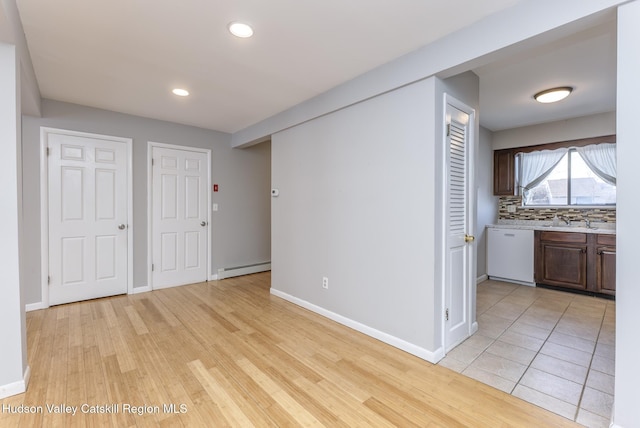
(325, 282)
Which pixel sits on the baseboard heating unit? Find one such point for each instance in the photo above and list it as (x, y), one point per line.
(243, 270)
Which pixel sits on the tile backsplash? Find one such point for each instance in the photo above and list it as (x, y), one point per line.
(603, 215)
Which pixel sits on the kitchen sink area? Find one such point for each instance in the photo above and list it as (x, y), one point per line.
(577, 257)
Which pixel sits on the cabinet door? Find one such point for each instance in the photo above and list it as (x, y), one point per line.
(606, 270)
(564, 265)
(503, 172)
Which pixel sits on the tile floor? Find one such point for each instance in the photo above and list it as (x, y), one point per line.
(551, 348)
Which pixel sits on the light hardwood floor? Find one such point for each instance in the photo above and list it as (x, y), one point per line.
(234, 355)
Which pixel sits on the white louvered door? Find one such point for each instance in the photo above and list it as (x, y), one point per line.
(458, 253)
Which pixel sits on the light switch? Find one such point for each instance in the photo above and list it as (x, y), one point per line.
(215, 207)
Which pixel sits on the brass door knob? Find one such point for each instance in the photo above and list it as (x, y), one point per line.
(469, 238)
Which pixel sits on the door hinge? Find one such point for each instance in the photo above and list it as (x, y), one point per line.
(48, 151)
(48, 280)
(153, 267)
(152, 161)
(446, 314)
(448, 129)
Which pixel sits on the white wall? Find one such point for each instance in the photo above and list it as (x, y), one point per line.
(563, 130)
(626, 411)
(13, 357)
(487, 202)
(358, 203)
(240, 229)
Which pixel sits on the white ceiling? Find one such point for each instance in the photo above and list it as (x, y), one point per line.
(126, 56)
(585, 61)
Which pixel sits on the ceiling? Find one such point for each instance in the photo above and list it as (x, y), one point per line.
(585, 61)
(126, 56)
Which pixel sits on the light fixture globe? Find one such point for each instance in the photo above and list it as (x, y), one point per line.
(240, 29)
(180, 92)
(552, 95)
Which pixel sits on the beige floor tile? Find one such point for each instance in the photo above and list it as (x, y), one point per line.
(597, 402)
(559, 346)
(511, 352)
(506, 310)
(601, 381)
(546, 322)
(563, 369)
(566, 354)
(572, 341)
(520, 299)
(552, 385)
(591, 420)
(453, 364)
(604, 365)
(465, 353)
(490, 379)
(502, 367)
(529, 330)
(545, 401)
(579, 330)
(604, 350)
(527, 342)
(479, 341)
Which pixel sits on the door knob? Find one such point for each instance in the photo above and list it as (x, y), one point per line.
(203, 223)
(121, 226)
(469, 238)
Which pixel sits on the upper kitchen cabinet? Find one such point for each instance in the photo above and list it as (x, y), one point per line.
(503, 172)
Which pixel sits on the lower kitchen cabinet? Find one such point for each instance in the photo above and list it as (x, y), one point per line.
(580, 261)
(606, 264)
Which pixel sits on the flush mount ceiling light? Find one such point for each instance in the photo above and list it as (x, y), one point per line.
(180, 92)
(552, 95)
(239, 29)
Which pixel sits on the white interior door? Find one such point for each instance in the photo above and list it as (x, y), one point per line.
(459, 247)
(180, 207)
(88, 217)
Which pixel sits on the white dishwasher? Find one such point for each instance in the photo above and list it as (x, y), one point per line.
(510, 255)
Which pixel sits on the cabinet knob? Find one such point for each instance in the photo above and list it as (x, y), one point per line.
(469, 238)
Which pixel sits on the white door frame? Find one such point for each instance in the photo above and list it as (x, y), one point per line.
(150, 146)
(471, 209)
(44, 204)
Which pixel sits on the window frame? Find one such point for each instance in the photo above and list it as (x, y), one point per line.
(570, 144)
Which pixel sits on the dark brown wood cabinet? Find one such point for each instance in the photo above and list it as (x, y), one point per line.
(563, 259)
(580, 261)
(606, 264)
(503, 172)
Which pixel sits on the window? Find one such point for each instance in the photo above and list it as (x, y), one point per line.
(569, 176)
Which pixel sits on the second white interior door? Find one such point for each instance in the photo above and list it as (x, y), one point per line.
(180, 227)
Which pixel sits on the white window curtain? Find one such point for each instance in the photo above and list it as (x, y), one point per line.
(536, 166)
(601, 158)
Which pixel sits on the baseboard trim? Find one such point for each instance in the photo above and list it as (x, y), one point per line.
(18, 387)
(35, 306)
(143, 289)
(474, 328)
(224, 273)
(482, 278)
(513, 281)
(425, 354)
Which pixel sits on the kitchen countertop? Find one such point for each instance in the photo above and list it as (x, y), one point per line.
(579, 227)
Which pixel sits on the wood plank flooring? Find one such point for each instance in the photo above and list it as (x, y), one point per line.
(227, 353)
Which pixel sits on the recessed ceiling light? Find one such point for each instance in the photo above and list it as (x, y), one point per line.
(552, 95)
(180, 92)
(239, 29)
